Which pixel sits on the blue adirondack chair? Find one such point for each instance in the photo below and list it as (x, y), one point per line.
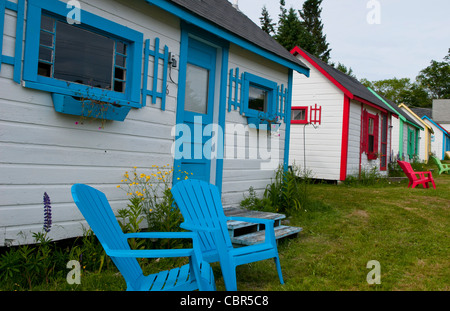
(202, 210)
(95, 208)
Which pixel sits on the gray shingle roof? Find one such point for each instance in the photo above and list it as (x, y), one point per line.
(223, 14)
(422, 111)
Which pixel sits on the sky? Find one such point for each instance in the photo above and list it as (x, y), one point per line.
(378, 39)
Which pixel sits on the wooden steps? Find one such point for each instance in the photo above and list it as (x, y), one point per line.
(245, 233)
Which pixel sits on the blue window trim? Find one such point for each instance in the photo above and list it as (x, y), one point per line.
(132, 95)
(265, 84)
(16, 60)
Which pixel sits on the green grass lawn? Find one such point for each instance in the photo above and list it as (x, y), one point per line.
(405, 230)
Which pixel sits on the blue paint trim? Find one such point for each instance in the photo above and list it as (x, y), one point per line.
(188, 31)
(445, 138)
(220, 32)
(15, 61)
(235, 81)
(134, 39)
(270, 86)
(2, 25)
(157, 56)
(222, 113)
(69, 105)
(287, 119)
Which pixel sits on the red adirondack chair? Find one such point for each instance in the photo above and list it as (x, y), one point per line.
(416, 178)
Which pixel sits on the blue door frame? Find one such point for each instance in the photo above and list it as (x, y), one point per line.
(201, 53)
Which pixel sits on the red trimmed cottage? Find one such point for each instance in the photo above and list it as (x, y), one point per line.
(339, 127)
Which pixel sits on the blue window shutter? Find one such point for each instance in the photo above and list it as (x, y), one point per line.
(157, 56)
(15, 60)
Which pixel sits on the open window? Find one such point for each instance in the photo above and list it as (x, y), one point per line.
(96, 59)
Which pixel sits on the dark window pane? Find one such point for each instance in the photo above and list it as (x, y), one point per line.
(45, 54)
(44, 69)
(121, 48)
(46, 39)
(47, 23)
(298, 115)
(257, 99)
(119, 86)
(371, 142)
(83, 57)
(120, 61)
(384, 129)
(120, 73)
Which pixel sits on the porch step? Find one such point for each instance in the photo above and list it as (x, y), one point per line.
(259, 236)
(247, 233)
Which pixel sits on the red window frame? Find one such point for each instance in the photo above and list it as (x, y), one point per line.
(304, 121)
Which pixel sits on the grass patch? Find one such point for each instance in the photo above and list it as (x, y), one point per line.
(345, 226)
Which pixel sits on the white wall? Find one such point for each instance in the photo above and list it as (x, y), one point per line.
(322, 144)
(436, 140)
(244, 167)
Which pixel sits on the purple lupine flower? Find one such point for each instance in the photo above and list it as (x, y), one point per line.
(47, 213)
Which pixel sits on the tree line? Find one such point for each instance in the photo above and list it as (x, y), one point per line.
(304, 28)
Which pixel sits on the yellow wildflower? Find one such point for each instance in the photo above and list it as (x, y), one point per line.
(118, 186)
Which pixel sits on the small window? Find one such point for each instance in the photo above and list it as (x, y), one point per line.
(197, 83)
(257, 98)
(299, 115)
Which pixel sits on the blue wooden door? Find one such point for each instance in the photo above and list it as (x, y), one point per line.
(195, 110)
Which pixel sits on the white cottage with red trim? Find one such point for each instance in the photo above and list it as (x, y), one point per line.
(339, 127)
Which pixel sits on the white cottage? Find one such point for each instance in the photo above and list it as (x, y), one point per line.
(189, 83)
(339, 127)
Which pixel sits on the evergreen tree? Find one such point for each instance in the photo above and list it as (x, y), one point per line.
(266, 22)
(290, 30)
(310, 15)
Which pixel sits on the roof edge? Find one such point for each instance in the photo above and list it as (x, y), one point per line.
(215, 29)
(297, 50)
(416, 116)
(437, 125)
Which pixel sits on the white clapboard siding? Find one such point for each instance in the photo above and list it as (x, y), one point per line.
(354, 139)
(321, 145)
(242, 167)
